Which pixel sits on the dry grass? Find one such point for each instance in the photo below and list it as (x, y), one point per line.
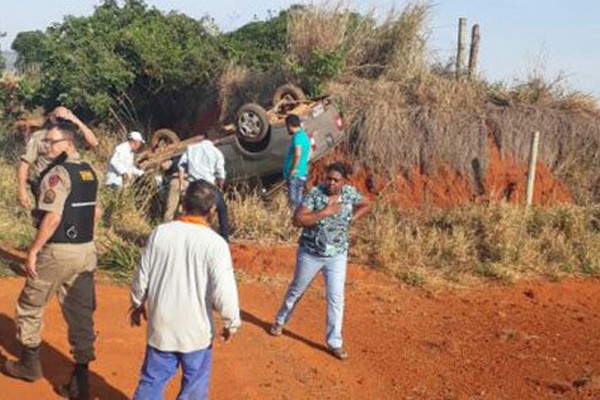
(422, 121)
(500, 242)
(569, 145)
(316, 28)
(395, 47)
(254, 219)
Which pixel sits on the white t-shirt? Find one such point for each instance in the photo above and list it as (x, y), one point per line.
(122, 161)
(185, 272)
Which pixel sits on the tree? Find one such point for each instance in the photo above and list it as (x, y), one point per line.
(2, 61)
(30, 48)
(131, 61)
(260, 44)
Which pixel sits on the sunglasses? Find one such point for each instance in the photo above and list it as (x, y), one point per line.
(52, 142)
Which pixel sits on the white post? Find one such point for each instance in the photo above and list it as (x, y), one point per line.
(533, 152)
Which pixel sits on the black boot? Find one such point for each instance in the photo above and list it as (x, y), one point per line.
(28, 367)
(78, 387)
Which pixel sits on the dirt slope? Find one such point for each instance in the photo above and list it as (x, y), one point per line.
(534, 340)
(504, 179)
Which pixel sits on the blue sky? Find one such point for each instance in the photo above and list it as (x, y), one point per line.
(518, 36)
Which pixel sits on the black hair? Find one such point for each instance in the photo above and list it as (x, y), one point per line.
(339, 167)
(200, 198)
(67, 128)
(292, 120)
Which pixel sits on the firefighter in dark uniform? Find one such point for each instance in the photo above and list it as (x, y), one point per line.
(61, 260)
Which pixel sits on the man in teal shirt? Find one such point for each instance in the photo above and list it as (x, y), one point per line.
(295, 169)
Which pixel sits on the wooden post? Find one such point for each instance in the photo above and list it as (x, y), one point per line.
(461, 54)
(533, 152)
(474, 50)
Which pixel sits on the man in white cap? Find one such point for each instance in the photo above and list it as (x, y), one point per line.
(121, 166)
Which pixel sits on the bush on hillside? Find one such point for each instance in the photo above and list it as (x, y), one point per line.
(131, 62)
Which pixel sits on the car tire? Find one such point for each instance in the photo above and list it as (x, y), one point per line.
(252, 123)
(288, 93)
(165, 136)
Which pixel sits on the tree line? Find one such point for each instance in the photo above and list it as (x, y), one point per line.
(135, 62)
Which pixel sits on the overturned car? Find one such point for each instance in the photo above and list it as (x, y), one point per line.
(255, 145)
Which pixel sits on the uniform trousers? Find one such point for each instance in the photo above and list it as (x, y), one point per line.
(66, 270)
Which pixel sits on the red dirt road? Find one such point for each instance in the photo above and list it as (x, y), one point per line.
(534, 340)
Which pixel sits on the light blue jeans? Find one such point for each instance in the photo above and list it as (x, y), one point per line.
(295, 187)
(334, 270)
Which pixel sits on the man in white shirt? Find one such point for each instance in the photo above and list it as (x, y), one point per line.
(204, 161)
(185, 273)
(121, 166)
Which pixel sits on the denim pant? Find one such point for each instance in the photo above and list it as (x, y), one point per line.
(334, 270)
(160, 366)
(222, 214)
(295, 187)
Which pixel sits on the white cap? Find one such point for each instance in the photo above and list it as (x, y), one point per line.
(135, 135)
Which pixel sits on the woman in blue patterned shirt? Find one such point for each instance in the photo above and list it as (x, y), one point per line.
(325, 216)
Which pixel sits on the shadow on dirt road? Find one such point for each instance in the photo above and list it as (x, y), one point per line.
(57, 367)
(254, 320)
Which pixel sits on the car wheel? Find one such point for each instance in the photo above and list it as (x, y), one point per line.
(163, 137)
(289, 94)
(252, 123)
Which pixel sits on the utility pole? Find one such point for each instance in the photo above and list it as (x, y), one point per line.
(475, 36)
(461, 52)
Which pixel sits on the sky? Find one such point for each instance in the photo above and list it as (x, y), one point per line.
(518, 37)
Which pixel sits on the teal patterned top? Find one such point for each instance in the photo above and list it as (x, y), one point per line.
(329, 236)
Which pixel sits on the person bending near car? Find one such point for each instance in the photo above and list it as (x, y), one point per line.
(184, 274)
(34, 160)
(325, 217)
(295, 168)
(121, 170)
(204, 161)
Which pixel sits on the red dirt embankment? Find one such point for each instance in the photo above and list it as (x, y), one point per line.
(533, 340)
(504, 179)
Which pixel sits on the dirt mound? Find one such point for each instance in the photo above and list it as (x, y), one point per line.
(534, 340)
(504, 179)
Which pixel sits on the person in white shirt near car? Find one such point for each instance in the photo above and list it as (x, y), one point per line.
(204, 161)
(121, 166)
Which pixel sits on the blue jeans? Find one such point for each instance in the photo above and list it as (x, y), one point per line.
(334, 270)
(160, 366)
(295, 187)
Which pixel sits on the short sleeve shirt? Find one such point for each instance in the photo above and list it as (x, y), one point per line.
(35, 153)
(329, 236)
(300, 139)
(203, 161)
(55, 188)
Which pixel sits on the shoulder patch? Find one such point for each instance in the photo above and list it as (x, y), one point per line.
(86, 175)
(53, 180)
(49, 196)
